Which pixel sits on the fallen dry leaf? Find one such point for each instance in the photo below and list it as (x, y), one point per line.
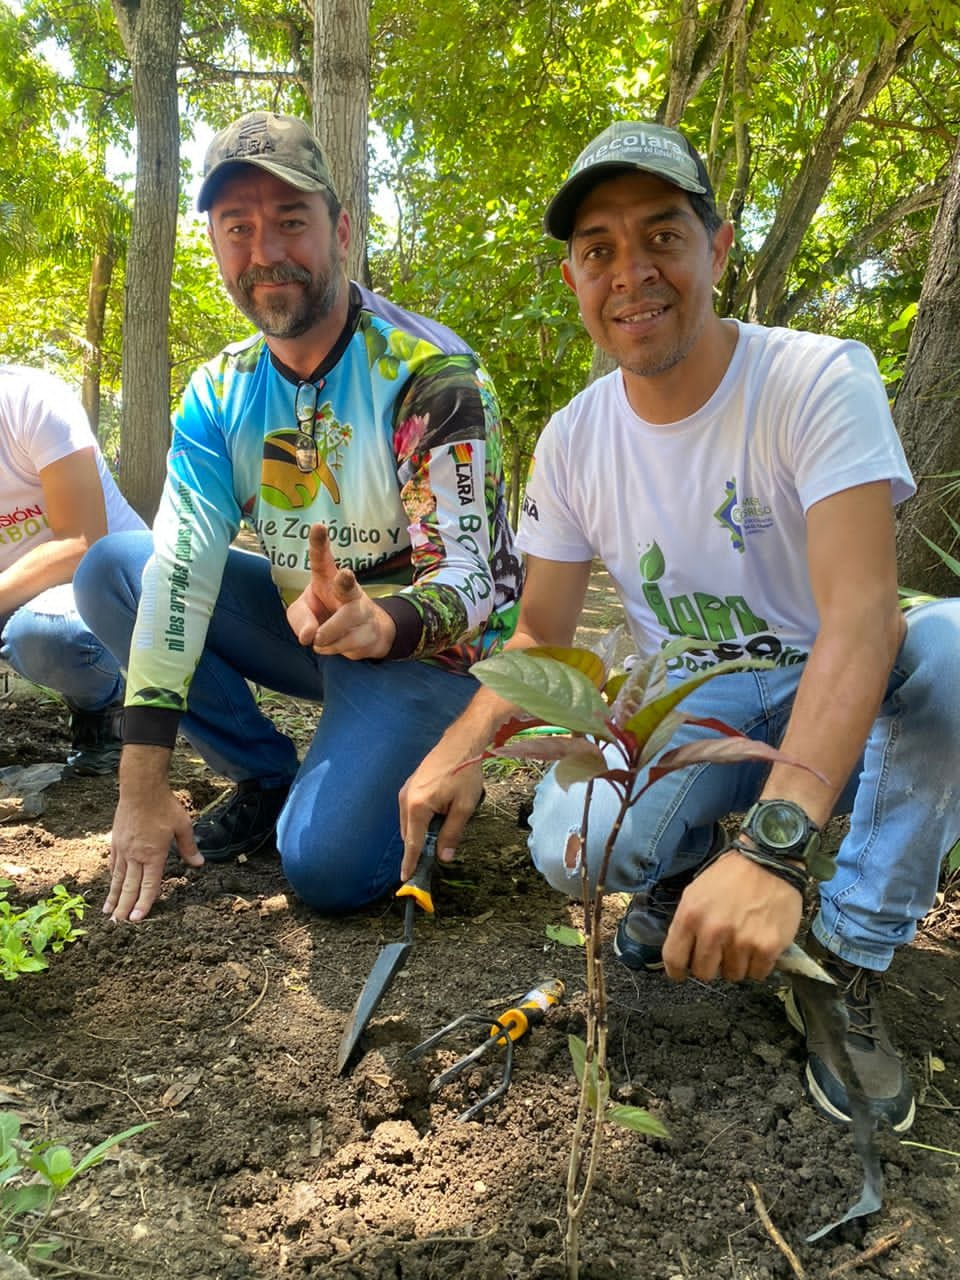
(181, 1089)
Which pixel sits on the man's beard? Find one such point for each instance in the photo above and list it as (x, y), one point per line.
(282, 317)
(661, 362)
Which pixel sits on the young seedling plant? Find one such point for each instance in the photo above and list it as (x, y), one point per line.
(26, 935)
(32, 1175)
(616, 726)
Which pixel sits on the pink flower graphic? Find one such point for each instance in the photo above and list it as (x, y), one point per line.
(409, 434)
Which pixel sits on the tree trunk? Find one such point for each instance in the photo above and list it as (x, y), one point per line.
(341, 92)
(151, 33)
(762, 289)
(698, 48)
(927, 409)
(101, 274)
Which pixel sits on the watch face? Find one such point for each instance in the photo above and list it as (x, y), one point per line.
(779, 824)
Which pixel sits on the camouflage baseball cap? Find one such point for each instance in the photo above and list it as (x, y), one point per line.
(282, 145)
(626, 145)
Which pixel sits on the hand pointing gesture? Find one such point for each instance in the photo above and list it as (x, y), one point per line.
(333, 614)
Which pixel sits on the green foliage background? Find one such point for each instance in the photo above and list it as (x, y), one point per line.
(477, 112)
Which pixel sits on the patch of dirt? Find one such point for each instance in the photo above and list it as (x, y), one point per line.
(220, 1019)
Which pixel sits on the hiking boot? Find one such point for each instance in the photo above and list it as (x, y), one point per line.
(876, 1062)
(643, 928)
(240, 822)
(95, 742)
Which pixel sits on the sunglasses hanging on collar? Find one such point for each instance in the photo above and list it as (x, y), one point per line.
(305, 409)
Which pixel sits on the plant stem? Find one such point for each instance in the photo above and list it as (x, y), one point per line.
(596, 1041)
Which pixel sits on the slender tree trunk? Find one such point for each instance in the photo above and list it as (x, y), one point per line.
(927, 408)
(742, 158)
(151, 33)
(101, 274)
(698, 48)
(341, 92)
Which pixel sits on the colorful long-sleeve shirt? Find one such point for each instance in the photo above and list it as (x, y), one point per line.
(394, 444)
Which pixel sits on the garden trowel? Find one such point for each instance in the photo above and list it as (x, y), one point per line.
(827, 1015)
(416, 890)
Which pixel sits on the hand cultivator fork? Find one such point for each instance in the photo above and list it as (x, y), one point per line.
(512, 1025)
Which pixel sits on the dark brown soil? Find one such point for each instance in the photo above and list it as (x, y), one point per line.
(221, 1015)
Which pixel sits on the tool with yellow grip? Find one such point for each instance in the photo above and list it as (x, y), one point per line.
(416, 892)
(512, 1025)
(518, 1020)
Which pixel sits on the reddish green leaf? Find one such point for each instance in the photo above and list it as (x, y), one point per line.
(584, 660)
(581, 766)
(724, 751)
(650, 714)
(661, 735)
(516, 724)
(578, 760)
(550, 690)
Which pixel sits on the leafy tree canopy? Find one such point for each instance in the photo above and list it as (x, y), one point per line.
(827, 132)
(817, 126)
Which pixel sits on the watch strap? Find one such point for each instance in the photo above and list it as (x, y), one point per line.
(781, 867)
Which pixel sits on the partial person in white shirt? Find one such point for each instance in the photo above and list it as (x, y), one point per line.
(57, 498)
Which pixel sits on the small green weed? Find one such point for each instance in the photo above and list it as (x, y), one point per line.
(32, 1175)
(25, 935)
(505, 769)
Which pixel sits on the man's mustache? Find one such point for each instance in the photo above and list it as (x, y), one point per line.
(286, 273)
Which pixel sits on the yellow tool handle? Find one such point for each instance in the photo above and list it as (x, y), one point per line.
(418, 886)
(531, 1009)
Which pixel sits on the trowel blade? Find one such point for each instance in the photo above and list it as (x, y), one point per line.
(377, 985)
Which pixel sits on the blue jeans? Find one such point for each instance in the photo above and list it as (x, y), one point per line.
(339, 832)
(902, 799)
(47, 642)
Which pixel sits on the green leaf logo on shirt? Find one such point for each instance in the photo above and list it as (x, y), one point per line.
(652, 563)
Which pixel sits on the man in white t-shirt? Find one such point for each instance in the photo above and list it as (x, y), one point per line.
(56, 498)
(738, 482)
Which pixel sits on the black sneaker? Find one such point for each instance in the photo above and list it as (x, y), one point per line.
(642, 931)
(95, 742)
(875, 1060)
(240, 822)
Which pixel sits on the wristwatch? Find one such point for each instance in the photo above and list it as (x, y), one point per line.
(781, 829)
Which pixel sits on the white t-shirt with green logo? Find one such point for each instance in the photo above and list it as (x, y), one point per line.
(701, 522)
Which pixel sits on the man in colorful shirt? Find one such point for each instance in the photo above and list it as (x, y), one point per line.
(56, 499)
(362, 444)
(738, 482)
